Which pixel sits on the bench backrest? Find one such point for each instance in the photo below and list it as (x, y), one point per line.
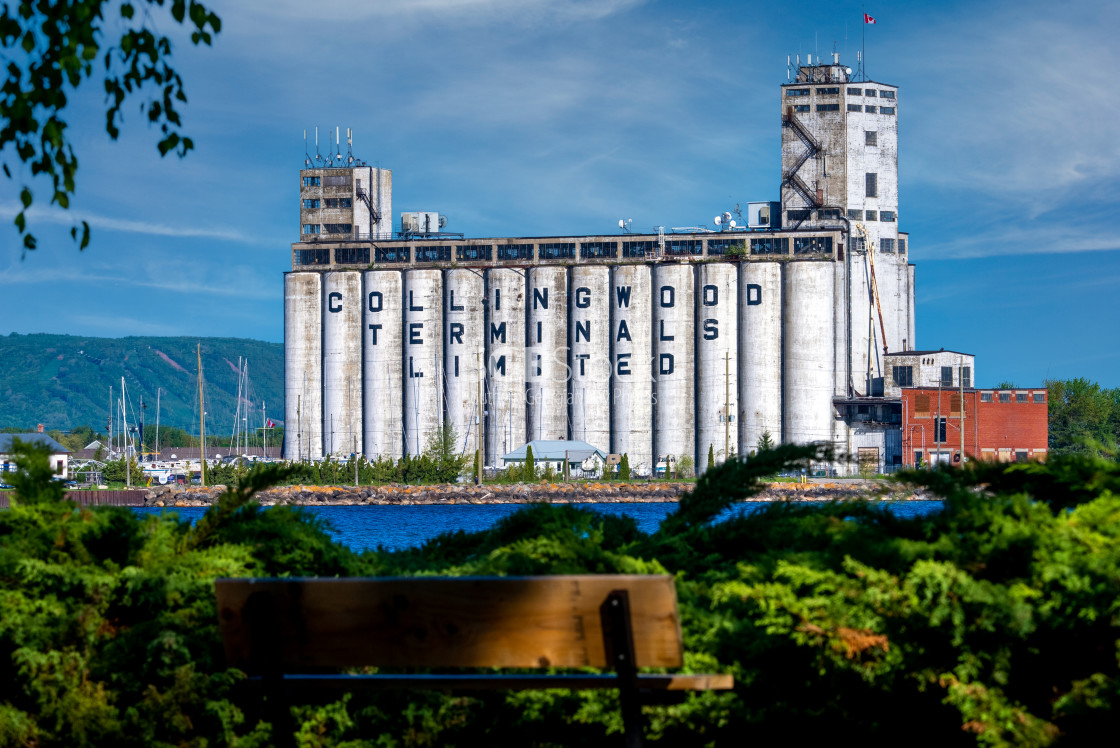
(433, 622)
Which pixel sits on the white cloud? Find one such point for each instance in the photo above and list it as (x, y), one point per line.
(75, 217)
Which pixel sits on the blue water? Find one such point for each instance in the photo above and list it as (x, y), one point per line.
(398, 527)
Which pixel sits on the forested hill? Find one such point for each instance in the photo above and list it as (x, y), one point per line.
(63, 381)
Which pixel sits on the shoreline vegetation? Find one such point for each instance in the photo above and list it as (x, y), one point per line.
(991, 620)
(529, 493)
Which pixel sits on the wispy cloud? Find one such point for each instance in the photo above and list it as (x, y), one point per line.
(110, 223)
(1003, 240)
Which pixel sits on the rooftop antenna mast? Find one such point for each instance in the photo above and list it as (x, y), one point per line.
(337, 144)
(789, 71)
(349, 146)
(306, 155)
(318, 156)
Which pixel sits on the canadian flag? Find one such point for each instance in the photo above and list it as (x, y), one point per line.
(271, 423)
(868, 19)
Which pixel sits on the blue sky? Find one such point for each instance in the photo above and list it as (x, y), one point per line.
(560, 116)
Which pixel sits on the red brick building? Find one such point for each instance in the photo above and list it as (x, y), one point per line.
(1003, 425)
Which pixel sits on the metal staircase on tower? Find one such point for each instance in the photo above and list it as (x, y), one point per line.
(789, 178)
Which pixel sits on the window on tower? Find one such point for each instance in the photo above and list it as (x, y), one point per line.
(310, 204)
(797, 92)
(855, 107)
(886, 215)
(886, 110)
(872, 184)
(801, 108)
(887, 245)
(855, 92)
(311, 181)
(855, 214)
(902, 246)
(828, 91)
(870, 109)
(870, 137)
(886, 94)
(869, 92)
(871, 216)
(828, 107)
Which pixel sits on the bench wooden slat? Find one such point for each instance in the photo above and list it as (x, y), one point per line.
(436, 622)
(653, 682)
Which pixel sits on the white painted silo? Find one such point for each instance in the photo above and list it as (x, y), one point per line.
(423, 357)
(383, 407)
(546, 358)
(303, 383)
(464, 352)
(841, 433)
(342, 363)
(760, 353)
(717, 362)
(589, 361)
(505, 363)
(674, 365)
(808, 329)
(631, 360)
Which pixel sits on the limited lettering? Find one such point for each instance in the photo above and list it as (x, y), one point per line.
(454, 307)
(622, 364)
(623, 295)
(583, 297)
(710, 295)
(411, 306)
(380, 301)
(582, 357)
(414, 329)
(455, 334)
(500, 365)
(711, 329)
(661, 332)
(540, 295)
(497, 332)
(332, 297)
(584, 329)
(623, 332)
(414, 373)
(373, 331)
(666, 363)
(668, 297)
(497, 299)
(754, 294)
(456, 367)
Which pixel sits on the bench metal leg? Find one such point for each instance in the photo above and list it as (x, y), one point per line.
(260, 615)
(618, 640)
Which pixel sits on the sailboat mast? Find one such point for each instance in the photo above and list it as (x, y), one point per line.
(201, 420)
(158, 390)
(124, 430)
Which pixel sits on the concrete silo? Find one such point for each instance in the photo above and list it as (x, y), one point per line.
(505, 362)
(464, 352)
(717, 362)
(303, 384)
(631, 357)
(589, 360)
(807, 352)
(342, 364)
(383, 407)
(674, 394)
(546, 364)
(760, 353)
(423, 357)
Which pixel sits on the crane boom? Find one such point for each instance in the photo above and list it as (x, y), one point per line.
(874, 282)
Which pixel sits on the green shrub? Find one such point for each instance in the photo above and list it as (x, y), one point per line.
(994, 620)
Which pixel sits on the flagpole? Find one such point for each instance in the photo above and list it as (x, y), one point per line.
(863, 52)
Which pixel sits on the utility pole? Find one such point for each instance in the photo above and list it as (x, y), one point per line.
(960, 375)
(726, 406)
(478, 430)
(124, 430)
(158, 391)
(201, 421)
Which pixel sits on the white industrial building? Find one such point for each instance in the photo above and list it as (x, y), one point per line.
(655, 345)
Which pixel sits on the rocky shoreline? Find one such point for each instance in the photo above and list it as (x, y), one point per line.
(524, 493)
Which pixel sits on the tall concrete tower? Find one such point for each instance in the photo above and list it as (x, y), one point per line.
(840, 168)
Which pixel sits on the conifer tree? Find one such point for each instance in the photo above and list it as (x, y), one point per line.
(530, 471)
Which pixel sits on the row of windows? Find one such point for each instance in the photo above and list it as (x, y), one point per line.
(331, 181)
(871, 109)
(828, 107)
(329, 202)
(871, 93)
(886, 216)
(1020, 397)
(328, 228)
(311, 182)
(833, 91)
(590, 250)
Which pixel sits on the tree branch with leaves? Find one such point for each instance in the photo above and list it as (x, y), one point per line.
(50, 47)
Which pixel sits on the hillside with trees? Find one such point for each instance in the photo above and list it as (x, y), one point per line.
(63, 381)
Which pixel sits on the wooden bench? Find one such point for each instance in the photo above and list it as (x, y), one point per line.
(285, 632)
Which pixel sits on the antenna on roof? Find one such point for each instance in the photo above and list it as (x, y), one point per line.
(306, 156)
(349, 146)
(787, 69)
(337, 144)
(318, 156)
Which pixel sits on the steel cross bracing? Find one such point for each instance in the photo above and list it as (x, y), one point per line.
(790, 178)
